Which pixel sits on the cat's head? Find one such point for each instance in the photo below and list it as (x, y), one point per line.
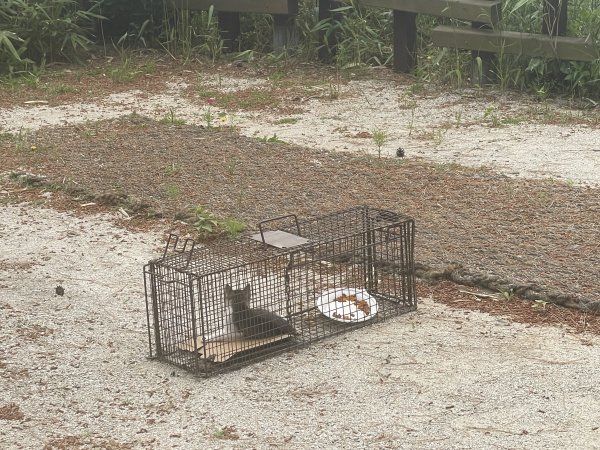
(237, 296)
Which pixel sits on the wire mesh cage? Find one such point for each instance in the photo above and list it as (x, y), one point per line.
(217, 307)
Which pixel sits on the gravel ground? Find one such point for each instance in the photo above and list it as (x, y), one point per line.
(74, 375)
(73, 372)
(529, 231)
(515, 135)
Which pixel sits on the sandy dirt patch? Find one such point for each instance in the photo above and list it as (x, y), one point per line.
(514, 135)
(73, 366)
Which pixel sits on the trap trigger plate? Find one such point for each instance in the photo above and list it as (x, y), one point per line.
(279, 239)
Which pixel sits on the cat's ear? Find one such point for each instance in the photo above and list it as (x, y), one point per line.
(247, 288)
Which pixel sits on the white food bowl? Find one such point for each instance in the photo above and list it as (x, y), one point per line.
(350, 310)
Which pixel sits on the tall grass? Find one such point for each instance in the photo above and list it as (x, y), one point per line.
(363, 36)
(188, 34)
(35, 32)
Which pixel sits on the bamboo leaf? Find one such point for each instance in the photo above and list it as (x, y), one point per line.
(5, 41)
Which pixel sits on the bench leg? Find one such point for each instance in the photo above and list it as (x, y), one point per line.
(405, 41)
(229, 24)
(482, 74)
(554, 18)
(325, 7)
(285, 34)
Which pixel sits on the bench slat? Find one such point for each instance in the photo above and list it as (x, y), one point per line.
(286, 7)
(484, 11)
(513, 42)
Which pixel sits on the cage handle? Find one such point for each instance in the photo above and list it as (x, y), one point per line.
(274, 219)
(174, 240)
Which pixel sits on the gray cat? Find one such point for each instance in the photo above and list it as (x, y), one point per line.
(253, 323)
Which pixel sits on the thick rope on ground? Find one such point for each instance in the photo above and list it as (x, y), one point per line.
(457, 273)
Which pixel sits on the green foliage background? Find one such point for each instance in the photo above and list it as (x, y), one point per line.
(35, 32)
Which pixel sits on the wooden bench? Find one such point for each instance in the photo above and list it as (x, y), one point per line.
(551, 43)
(283, 11)
(471, 10)
(512, 42)
(481, 38)
(479, 12)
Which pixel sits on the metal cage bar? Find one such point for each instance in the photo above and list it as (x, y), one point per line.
(218, 307)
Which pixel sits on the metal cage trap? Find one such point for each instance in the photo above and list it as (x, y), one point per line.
(217, 307)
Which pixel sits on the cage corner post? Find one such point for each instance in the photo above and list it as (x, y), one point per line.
(155, 313)
(195, 364)
(412, 279)
(288, 289)
(369, 255)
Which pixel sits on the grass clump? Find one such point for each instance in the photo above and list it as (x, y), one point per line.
(207, 224)
(33, 33)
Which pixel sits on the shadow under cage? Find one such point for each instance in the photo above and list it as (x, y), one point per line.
(217, 307)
